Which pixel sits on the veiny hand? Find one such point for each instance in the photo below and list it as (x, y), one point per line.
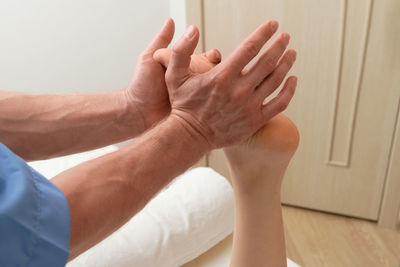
(147, 93)
(224, 106)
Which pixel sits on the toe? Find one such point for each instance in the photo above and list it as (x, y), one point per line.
(213, 55)
(162, 56)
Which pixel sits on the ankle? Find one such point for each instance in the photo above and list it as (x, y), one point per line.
(264, 158)
(258, 178)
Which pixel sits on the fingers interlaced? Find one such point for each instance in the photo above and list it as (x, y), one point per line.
(248, 49)
(179, 64)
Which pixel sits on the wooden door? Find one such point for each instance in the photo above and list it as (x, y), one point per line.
(345, 106)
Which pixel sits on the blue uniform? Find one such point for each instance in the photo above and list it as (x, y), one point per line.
(34, 216)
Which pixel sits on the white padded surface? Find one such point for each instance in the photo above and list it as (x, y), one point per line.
(52, 167)
(182, 222)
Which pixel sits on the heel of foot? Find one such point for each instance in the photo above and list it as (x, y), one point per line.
(280, 134)
(268, 152)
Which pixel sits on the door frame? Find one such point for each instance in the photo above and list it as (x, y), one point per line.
(389, 215)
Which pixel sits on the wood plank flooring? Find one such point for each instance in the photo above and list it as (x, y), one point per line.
(316, 239)
(320, 239)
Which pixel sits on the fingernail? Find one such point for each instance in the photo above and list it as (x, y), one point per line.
(190, 31)
(286, 37)
(217, 54)
(274, 25)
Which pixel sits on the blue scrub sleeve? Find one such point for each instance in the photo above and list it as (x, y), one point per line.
(34, 216)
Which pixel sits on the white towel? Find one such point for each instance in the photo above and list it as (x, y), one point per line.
(189, 217)
(51, 167)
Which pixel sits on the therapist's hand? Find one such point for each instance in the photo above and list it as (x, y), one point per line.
(147, 93)
(224, 106)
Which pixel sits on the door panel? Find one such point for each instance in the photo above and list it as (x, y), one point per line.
(347, 97)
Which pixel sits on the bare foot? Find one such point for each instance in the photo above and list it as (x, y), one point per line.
(257, 168)
(268, 151)
(271, 148)
(199, 63)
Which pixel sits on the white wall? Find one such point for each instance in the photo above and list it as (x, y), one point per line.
(60, 46)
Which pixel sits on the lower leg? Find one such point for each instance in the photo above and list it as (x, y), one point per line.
(257, 169)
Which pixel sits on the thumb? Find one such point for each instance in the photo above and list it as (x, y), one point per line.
(178, 70)
(163, 37)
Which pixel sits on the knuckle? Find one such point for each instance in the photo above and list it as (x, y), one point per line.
(251, 48)
(282, 43)
(170, 79)
(175, 51)
(238, 96)
(220, 78)
(177, 48)
(277, 79)
(245, 89)
(282, 106)
(288, 62)
(269, 63)
(164, 38)
(248, 86)
(249, 110)
(145, 57)
(214, 80)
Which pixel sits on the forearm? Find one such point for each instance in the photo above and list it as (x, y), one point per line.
(105, 193)
(43, 126)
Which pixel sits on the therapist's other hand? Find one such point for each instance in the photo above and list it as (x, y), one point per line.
(147, 93)
(225, 105)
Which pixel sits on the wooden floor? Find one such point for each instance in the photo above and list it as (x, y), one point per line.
(320, 239)
(316, 239)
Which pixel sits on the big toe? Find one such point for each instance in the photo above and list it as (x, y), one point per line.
(162, 56)
(213, 55)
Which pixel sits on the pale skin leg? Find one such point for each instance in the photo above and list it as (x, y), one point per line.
(257, 169)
